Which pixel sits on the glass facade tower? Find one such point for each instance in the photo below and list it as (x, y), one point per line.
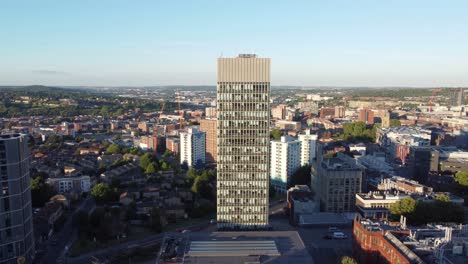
(16, 223)
(243, 109)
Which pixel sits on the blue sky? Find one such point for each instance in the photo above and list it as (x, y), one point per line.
(329, 42)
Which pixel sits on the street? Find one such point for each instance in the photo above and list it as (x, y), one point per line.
(54, 248)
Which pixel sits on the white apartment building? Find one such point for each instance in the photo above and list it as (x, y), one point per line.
(285, 160)
(192, 147)
(308, 147)
(65, 184)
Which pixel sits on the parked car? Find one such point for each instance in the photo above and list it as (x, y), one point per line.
(339, 235)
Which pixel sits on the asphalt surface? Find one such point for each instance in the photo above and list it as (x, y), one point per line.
(55, 247)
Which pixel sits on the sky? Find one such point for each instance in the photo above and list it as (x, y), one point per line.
(420, 43)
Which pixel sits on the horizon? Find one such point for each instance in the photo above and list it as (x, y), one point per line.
(123, 43)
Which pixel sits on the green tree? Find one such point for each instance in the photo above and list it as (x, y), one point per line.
(301, 176)
(443, 198)
(41, 192)
(167, 153)
(101, 192)
(275, 134)
(201, 187)
(145, 160)
(461, 178)
(395, 122)
(53, 139)
(164, 166)
(192, 174)
(403, 207)
(113, 149)
(348, 260)
(150, 169)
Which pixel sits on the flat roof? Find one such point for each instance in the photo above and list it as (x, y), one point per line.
(272, 247)
(232, 248)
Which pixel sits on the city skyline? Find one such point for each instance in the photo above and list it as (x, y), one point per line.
(110, 43)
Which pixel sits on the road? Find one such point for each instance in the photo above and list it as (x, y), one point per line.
(63, 238)
(107, 253)
(275, 208)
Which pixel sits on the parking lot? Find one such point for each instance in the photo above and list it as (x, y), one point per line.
(326, 251)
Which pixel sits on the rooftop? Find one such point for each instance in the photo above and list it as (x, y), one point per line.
(243, 247)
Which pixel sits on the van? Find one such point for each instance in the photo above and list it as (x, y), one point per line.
(339, 235)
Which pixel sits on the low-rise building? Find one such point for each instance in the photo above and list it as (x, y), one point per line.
(300, 202)
(65, 184)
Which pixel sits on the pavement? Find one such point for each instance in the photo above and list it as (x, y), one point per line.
(57, 245)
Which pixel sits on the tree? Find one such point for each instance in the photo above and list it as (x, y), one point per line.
(164, 166)
(167, 153)
(403, 207)
(443, 198)
(348, 260)
(53, 139)
(301, 176)
(461, 178)
(41, 192)
(145, 160)
(395, 122)
(201, 186)
(113, 149)
(275, 134)
(150, 169)
(192, 174)
(101, 192)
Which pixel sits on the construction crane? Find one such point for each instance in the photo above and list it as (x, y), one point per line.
(181, 118)
(432, 98)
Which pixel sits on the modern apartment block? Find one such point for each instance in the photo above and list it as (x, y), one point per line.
(192, 147)
(336, 181)
(243, 106)
(209, 127)
(285, 160)
(308, 147)
(16, 223)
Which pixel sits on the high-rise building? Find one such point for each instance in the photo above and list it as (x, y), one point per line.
(285, 160)
(279, 112)
(16, 223)
(210, 112)
(209, 127)
(192, 147)
(243, 96)
(385, 119)
(339, 111)
(308, 147)
(366, 116)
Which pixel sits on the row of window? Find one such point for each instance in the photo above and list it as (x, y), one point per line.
(244, 107)
(230, 142)
(242, 97)
(243, 87)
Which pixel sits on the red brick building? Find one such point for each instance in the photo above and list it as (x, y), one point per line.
(379, 244)
(366, 116)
